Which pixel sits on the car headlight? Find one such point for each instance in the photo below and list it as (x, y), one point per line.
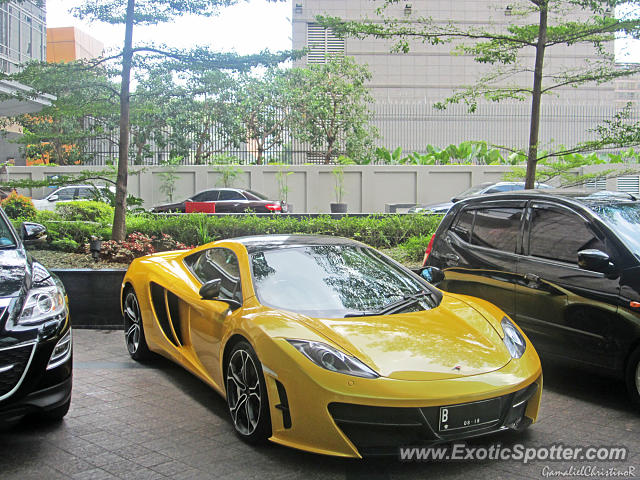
(43, 303)
(513, 339)
(332, 359)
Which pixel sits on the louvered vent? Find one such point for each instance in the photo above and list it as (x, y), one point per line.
(323, 44)
(630, 184)
(597, 184)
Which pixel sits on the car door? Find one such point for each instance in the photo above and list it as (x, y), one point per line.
(479, 251)
(566, 310)
(206, 317)
(231, 201)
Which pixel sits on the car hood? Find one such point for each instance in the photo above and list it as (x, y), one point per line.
(450, 341)
(15, 272)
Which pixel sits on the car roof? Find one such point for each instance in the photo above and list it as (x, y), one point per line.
(588, 198)
(260, 243)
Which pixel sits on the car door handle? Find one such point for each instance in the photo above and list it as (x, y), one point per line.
(531, 278)
(451, 256)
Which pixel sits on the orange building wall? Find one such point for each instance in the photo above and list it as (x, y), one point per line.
(66, 44)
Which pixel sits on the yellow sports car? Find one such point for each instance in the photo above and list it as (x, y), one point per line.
(326, 345)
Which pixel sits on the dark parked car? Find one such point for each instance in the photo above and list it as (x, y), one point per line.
(485, 188)
(35, 331)
(564, 265)
(228, 200)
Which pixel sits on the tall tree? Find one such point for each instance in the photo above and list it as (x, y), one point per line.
(85, 102)
(332, 107)
(264, 108)
(536, 27)
(132, 13)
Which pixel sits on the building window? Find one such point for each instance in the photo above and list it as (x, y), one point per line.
(322, 44)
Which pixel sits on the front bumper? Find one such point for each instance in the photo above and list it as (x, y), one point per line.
(29, 382)
(323, 412)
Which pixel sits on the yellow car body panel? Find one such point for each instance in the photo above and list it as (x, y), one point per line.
(405, 349)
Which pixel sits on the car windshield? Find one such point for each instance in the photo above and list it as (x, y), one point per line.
(332, 281)
(624, 219)
(473, 190)
(7, 239)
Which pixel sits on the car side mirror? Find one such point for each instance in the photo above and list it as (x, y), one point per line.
(211, 289)
(433, 275)
(595, 260)
(53, 198)
(32, 232)
(455, 199)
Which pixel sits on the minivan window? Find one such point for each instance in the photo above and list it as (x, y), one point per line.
(497, 228)
(558, 235)
(464, 224)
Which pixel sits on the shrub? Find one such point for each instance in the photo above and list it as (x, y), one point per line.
(137, 245)
(415, 247)
(88, 211)
(380, 231)
(19, 206)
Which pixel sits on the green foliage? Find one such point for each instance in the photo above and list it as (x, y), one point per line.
(332, 108)
(338, 189)
(65, 244)
(565, 169)
(169, 177)
(383, 231)
(466, 153)
(228, 172)
(415, 247)
(282, 177)
(263, 107)
(85, 211)
(18, 206)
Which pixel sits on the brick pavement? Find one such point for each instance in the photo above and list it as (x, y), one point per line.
(156, 421)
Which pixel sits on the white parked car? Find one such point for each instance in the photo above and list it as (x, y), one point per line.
(72, 193)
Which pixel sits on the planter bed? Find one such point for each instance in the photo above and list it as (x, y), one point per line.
(94, 297)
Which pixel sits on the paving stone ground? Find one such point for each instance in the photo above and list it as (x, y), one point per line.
(156, 421)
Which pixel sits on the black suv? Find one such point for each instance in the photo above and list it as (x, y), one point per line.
(564, 265)
(35, 331)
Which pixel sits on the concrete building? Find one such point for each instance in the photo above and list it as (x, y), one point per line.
(66, 44)
(22, 34)
(405, 86)
(22, 38)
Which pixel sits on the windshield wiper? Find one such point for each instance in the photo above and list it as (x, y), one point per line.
(394, 306)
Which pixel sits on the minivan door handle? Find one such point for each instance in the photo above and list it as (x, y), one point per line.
(451, 256)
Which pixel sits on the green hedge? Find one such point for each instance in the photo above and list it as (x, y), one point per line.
(382, 231)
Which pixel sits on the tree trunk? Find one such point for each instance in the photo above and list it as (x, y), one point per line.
(536, 100)
(119, 219)
(329, 154)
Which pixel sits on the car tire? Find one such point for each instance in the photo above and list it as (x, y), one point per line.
(55, 414)
(632, 376)
(133, 328)
(247, 395)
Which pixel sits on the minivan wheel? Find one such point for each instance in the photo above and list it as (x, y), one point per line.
(633, 376)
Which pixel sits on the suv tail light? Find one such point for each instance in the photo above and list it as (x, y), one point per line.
(427, 252)
(273, 207)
